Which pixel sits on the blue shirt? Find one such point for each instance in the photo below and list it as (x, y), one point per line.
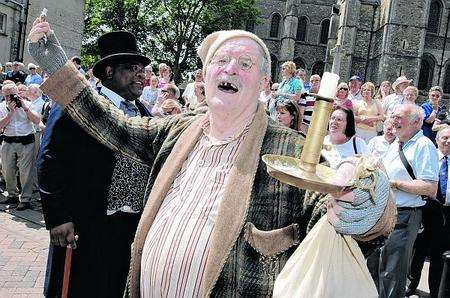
(422, 155)
(426, 127)
(33, 79)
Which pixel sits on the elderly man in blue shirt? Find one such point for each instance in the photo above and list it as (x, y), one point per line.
(33, 77)
(411, 163)
(432, 109)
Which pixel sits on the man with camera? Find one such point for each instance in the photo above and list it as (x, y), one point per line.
(432, 111)
(17, 152)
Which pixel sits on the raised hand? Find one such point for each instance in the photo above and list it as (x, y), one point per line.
(45, 48)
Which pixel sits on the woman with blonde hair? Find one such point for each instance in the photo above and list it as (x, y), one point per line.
(368, 112)
(290, 88)
(383, 91)
(341, 99)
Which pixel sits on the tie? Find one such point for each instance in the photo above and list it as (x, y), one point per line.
(400, 146)
(443, 179)
(129, 108)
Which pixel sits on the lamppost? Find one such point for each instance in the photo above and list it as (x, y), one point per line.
(22, 20)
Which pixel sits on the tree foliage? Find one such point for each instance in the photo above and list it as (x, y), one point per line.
(167, 30)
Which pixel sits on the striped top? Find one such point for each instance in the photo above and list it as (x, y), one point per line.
(177, 245)
(308, 104)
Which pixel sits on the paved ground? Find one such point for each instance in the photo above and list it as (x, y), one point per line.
(23, 253)
(24, 248)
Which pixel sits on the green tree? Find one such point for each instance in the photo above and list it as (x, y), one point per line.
(167, 30)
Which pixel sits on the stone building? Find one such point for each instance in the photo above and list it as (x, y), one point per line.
(16, 19)
(377, 39)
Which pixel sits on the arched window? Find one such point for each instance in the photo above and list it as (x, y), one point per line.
(302, 28)
(434, 17)
(447, 79)
(275, 25)
(318, 68)
(426, 73)
(324, 27)
(299, 63)
(273, 67)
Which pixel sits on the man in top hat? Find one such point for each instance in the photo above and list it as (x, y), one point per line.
(397, 97)
(90, 191)
(215, 223)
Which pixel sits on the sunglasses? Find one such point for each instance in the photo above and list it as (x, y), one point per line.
(346, 89)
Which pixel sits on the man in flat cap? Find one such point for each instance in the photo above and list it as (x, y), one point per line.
(90, 191)
(215, 223)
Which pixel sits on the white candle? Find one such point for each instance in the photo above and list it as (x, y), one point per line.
(328, 85)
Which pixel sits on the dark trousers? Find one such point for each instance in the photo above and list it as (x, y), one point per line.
(101, 261)
(392, 265)
(429, 243)
(121, 229)
(445, 237)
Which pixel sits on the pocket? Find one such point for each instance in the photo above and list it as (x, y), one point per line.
(273, 242)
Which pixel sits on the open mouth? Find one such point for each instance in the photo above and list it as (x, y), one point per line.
(227, 87)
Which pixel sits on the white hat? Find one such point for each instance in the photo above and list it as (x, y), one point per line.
(400, 80)
(214, 40)
(31, 65)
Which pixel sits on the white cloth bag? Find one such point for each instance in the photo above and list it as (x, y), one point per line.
(325, 265)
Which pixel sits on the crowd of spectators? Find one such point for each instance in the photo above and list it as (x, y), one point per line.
(383, 121)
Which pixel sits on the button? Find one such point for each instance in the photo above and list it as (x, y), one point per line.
(201, 163)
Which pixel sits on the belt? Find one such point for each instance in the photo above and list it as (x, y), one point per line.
(25, 140)
(409, 208)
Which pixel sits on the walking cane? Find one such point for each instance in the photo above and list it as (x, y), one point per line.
(67, 267)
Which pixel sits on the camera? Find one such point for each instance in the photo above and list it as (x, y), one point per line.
(15, 98)
(443, 117)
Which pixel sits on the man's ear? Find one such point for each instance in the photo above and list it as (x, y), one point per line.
(109, 71)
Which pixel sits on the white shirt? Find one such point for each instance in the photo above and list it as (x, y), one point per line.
(447, 192)
(115, 98)
(36, 107)
(337, 153)
(19, 125)
(378, 146)
(355, 98)
(389, 102)
(423, 158)
(189, 93)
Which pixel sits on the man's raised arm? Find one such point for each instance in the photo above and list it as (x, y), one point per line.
(100, 118)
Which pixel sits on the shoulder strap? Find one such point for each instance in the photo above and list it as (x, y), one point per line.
(406, 164)
(354, 145)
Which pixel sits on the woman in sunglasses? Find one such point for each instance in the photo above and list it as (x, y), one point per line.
(341, 99)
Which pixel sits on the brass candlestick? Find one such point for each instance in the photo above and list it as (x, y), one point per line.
(306, 172)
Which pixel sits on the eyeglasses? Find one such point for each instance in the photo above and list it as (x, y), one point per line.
(346, 89)
(244, 62)
(133, 68)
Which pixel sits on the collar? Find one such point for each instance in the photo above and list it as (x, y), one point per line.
(205, 125)
(441, 156)
(411, 140)
(115, 98)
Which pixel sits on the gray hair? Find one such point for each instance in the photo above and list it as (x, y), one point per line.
(415, 112)
(440, 131)
(9, 86)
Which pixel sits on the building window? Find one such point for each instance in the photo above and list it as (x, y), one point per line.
(434, 17)
(301, 28)
(447, 79)
(318, 68)
(324, 27)
(273, 67)
(275, 25)
(2, 23)
(426, 74)
(299, 63)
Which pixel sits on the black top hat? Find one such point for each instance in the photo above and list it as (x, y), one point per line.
(117, 47)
